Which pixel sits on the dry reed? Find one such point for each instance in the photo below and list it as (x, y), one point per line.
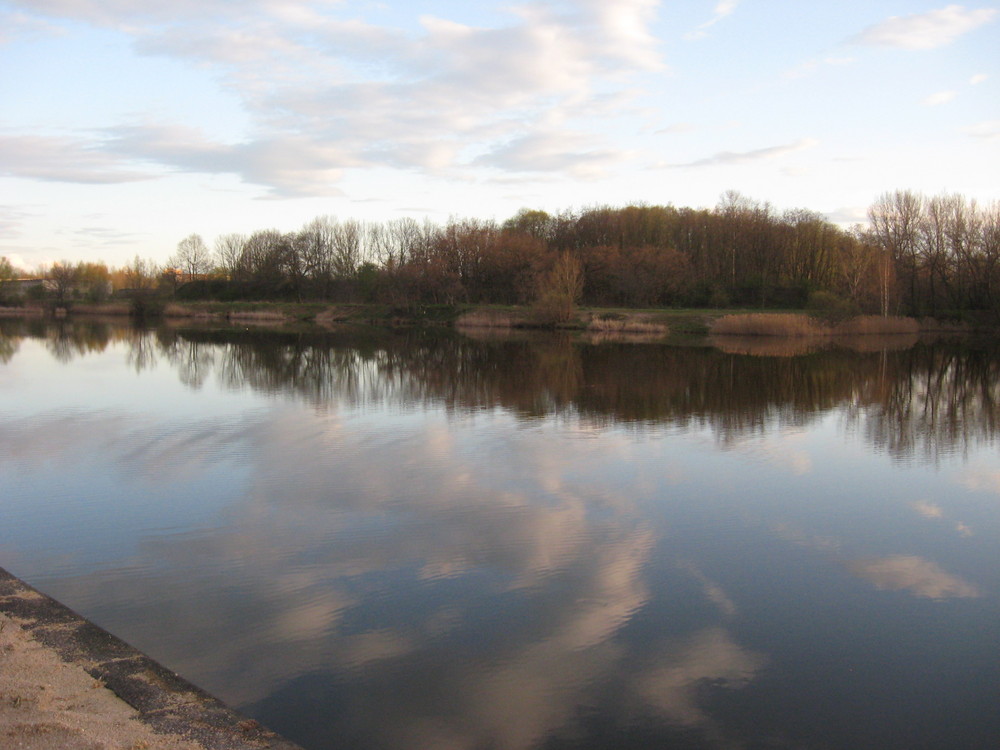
(19, 312)
(790, 324)
(766, 324)
(100, 308)
(627, 324)
(865, 325)
(257, 316)
(487, 319)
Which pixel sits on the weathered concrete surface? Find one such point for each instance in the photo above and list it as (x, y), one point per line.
(65, 682)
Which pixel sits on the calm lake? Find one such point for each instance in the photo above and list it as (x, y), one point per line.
(429, 540)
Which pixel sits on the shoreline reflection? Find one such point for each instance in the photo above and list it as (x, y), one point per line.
(920, 401)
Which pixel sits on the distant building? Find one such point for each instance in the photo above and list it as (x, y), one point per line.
(23, 287)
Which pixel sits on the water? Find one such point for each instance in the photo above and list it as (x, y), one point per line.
(407, 540)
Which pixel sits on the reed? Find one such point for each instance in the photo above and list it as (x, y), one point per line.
(488, 319)
(627, 324)
(19, 312)
(791, 324)
(767, 324)
(174, 310)
(257, 316)
(865, 325)
(101, 308)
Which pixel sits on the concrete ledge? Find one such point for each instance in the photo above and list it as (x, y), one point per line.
(165, 702)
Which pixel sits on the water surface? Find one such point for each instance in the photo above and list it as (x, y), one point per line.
(403, 540)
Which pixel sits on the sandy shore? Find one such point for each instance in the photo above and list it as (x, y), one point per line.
(46, 703)
(66, 683)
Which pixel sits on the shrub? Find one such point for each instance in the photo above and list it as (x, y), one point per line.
(830, 307)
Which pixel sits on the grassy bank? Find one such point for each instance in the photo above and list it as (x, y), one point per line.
(651, 324)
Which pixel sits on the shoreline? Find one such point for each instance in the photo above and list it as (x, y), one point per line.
(66, 682)
(653, 323)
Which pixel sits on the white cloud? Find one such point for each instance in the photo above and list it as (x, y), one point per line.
(62, 159)
(326, 94)
(11, 221)
(928, 509)
(939, 98)
(930, 30)
(978, 78)
(989, 130)
(724, 158)
(811, 66)
(914, 574)
(126, 13)
(571, 153)
(289, 165)
(981, 478)
(723, 9)
(677, 127)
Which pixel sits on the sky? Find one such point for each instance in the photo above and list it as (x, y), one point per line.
(127, 125)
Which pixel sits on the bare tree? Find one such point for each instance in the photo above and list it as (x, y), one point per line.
(192, 257)
(895, 219)
(140, 274)
(64, 277)
(229, 252)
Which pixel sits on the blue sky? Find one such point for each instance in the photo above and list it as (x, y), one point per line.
(126, 125)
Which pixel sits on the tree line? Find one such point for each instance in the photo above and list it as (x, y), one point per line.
(918, 255)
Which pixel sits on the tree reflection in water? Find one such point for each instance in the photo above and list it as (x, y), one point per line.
(922, 402)
(545, 605)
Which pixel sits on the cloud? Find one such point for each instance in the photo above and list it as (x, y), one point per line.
(939, 98)
(978, 78)
(914, 574)
(928, 509)
(19, 24)
(982, 478)
(677, 127)
(811, 66)
(570, 153)
(729, 158)
(11, 220)
(327, 93)
(126, 13)
(923, 31)
(988, 130)
(288, 165)
(62, 159)
(723, 9)
(108, 236)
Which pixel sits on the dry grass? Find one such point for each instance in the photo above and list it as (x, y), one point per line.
(488, 319)
(866, 325)
(173, 310)
(101, 308)
(19, 312)
(633, 324)
(791, 324)
(257, 316)
(766, 324)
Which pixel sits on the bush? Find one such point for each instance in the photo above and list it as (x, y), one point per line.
(831, 308)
